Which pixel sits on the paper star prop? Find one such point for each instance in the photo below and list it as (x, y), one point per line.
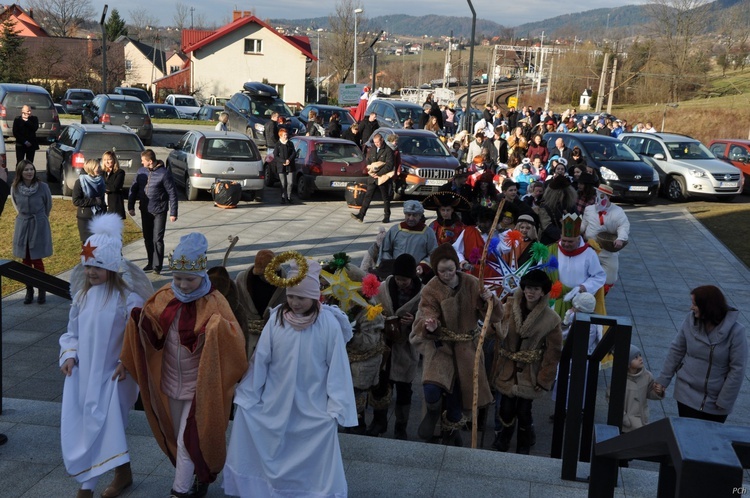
(343, 289)
(87, 251)
(509, 275)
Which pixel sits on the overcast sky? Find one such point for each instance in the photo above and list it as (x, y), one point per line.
(506, 13)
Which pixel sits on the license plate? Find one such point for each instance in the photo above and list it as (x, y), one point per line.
(434, 183)
(638, 188)
(728, 184)
(338, 184)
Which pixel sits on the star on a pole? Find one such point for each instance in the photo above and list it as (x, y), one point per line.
(343, 289)
(87, 251)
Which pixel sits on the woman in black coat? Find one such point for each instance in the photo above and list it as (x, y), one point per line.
(114, 179)
(334, 126)
(284, 155)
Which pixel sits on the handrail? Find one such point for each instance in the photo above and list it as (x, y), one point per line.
(697, 458)
(574, 408)
(33, 278)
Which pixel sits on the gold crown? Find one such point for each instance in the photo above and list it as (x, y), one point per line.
(185, 264)
(571, 225)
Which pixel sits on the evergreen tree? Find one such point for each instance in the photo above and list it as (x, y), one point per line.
(12, 54)
(115, 26)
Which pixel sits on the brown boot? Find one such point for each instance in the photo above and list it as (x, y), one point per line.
(123, 479)
(85, 493)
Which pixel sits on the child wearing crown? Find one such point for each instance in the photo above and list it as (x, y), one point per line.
(187, 352)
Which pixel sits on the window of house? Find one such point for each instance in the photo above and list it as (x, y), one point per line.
(279, 88)
(253, 46)
(128, 65)
(173, 69)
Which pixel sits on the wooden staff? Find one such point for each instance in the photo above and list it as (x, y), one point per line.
(483, 333)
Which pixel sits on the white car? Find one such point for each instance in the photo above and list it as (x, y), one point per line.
(187, 106)
(201, 158)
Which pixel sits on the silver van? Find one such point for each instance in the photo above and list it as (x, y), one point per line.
(13, 96)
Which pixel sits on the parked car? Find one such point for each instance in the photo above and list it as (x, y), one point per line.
(201, 158)
(187, 106)
(162, 111)
(686, 167)
(60, 109)
(81, 142)
(14, 96)
(322, 163)
(734, 151)
(74, 99)
(474, 117)
(120, 110)
(324, 112)
(209, 113)
(618, 166)
(426, 163)
(138, 93)
(250, 109)
(393, 113)
(216, 101)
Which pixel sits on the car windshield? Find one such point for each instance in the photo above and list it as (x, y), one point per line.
(229, 149)
(405, 113)
(344, 117)
(688, 150)
(187, 101)
(610, 151)
(338, 152)
(422, 146)
(125, 107)
(266, 107)
(111, 141)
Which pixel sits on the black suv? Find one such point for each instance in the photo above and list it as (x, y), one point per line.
(119, 110)
(250, 110)
(138, 93)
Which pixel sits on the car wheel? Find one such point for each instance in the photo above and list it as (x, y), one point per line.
(190, 192)
(676, 190)
(50, 177)
(67, 192)
(269, 179)
(305, 187)
(725, 198)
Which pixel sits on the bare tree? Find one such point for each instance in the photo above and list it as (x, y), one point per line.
(62, 17)
(141, 21)
(181, 15)
(734, 38)
(340, 43)
(677, 25)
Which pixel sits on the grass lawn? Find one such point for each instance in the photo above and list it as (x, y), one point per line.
(729, 223)
(65, 241)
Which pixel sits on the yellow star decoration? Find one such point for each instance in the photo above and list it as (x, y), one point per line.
(343, 289)
(87, 251)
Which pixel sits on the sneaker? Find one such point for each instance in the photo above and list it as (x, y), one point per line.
(356, 217)
(157, 270)
(148, 268)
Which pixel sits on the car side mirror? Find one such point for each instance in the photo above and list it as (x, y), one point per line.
(659, 156)
(172, 145)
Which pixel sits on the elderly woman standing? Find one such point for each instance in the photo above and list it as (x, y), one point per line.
(445, 332)
(708, 355)
(88, 197)
(32, 236)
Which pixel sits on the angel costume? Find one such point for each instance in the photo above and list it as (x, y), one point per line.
(296, 392)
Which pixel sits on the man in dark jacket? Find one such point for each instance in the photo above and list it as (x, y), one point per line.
(4, 192)
(153, 188)
(368, 126)
(497, 147)
(271, 131)
(24, 131)
(380, 167)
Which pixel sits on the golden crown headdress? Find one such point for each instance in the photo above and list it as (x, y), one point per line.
(571, 225)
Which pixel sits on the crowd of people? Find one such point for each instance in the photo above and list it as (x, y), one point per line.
(302, 348)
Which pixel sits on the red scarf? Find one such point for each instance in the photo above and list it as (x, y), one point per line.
(186, 325)
(574, 252)
(419, 228)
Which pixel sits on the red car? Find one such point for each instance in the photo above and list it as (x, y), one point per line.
(735, 152)
(322, 163)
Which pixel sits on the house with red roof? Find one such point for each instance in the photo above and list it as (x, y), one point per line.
(25, 25)
(246, 49)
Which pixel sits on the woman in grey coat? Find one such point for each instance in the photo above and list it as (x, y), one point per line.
(708, 355)
(32, 236)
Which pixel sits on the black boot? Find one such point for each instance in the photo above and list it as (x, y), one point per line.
(532, 435)
(42, 297)
(502, 440)
(29, 295)
(402, 420)
(452, 438)
(523, 445)
(379, 423)
(361, 428)
(427, 426)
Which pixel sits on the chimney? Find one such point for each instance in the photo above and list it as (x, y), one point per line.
(31, 12)
(239, 14)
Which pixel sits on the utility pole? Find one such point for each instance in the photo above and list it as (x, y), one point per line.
(490, 74)
(549, 85)
(421, 50)
(192, 9)
(104, 48)
(612, 86)
(600, 93)
(448, 68)
(541, 65)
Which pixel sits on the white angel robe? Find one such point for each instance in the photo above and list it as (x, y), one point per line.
(297, 390)
(95, 407)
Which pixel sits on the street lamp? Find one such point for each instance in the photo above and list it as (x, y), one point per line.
(664, 116)
(317, 86)
(356, 13)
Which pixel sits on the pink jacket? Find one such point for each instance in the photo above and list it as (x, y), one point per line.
(179, 365)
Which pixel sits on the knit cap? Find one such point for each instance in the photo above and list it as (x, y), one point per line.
(310, 285)
(190, 255)
(405, 266)
(634, 351)
(413, 207)
(104, 248)
(584, 301)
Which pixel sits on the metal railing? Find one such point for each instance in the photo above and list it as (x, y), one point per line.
(30, 277)
(574, 408)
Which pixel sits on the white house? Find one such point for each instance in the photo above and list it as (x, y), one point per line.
(143, 63)
(247, 49)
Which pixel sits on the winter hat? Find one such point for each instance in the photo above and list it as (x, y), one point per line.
(190, 255)
(587, 179)
(443, 251)
(634, 351)
(537, 278)
(559, 183)
(584, 301)
(262, 258)
(310, 285)
(413, 207)
(104, 248)
(405, 266)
